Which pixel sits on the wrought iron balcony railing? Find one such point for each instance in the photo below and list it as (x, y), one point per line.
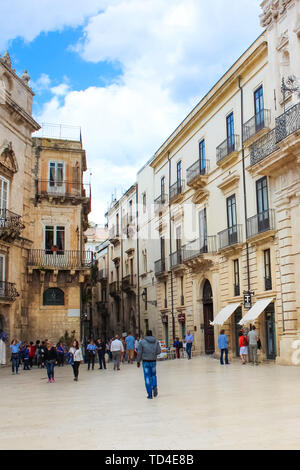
(176, 189)
(230, 236)
(115, 288)
(113, 233)
(129, 282)
(199, 168)
(160, 266)
(176, 259)
(199, 247)
(263, 147)
(160, 202)
(260, 223)
(10, 222)
(288, 123)
(230, 145)
(258, 122)
(64, 189)
(61, 259)
(8, 291)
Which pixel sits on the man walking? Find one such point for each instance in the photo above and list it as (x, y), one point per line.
(189, 343)
(223, 346)
(252, 340)
(116, 349)
(130, 340)
(148, 350)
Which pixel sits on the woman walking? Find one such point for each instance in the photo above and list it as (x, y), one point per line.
(50, 360)
(76, 353)
(91, 351)
(243, 344)
(15, 355)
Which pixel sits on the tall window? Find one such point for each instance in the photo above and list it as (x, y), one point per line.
(117, 224)
(2, 268)
(179, 169)
(163, 189)
(236, 277)
(262, 201)
(4, 191)
(231, 219)
(130, 212)
(203, 231)
(267, 269)
(54, 239)
(181, 290)
(230, 132)
(165, 294)
(146, 298)
(202, 157)
(56, 176)
(144, 202)
(259, 108)
(162, 250)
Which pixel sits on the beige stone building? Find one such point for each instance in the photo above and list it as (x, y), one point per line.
(43, 215)
(223, 227)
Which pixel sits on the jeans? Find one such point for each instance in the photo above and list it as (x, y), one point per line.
(189, 349)
(50, 369)
(101, 358)
(15, 362)
(91, 359)
(150, 376)
(26, 364)
(222, 356)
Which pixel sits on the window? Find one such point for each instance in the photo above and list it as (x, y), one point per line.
(267, 269)
(117, 225)
(179, 169)
(165, 294)
(146, 326)
(162, 249)
(203, 231)
(262, 201)
(54, 239)
(181, 290)
(2, 274)
(144, 202)
(202, 156)
(236, 278)
(146, 298)
(230, 132)
(259, 108)
(130, 212)
(4, 192)
(231, 219)
(56, 177)
(163, 189)
(53, 296)
(178, 239)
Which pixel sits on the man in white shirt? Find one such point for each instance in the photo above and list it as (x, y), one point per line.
(116, 349)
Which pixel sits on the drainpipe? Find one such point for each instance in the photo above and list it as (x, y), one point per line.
(244, 184)
(170, 234)
(138, 260)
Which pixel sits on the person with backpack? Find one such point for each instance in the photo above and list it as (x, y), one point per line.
(76, 358)
(243, 345)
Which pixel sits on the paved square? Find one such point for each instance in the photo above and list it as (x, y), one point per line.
(201, 405)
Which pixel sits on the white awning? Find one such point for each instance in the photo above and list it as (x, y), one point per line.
(255, 311)
(225, 313)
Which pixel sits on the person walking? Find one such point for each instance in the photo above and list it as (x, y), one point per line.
(117, 349)
(15, 355)
(77, 358)
(50, 356)
(130, 340)
(189, 344)
(177, 345)
(243, 345)
(60, 354)
(32, 348)
(149, 349)
(91, 353)
(223, 346)
(101, 353)
(252, 340)
(26, 357)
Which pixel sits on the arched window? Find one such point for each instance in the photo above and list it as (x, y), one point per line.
(53, 296)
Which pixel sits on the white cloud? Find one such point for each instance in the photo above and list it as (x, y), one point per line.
(171, 52)
(60, 90)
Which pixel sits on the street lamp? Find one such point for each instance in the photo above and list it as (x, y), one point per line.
(151, 302)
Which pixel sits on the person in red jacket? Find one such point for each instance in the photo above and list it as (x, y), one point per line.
(32, 349)
(243, 344)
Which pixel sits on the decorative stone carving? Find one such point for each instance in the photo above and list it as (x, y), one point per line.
(6, 59)
(8, 159)
(283, 41)
(272, 10)
(25, 77)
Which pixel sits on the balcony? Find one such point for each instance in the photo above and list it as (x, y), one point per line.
(197, 174)
(259, 225)
(102, 276)
(256, 126)
(8, 292)
(128, 225)
(285, 125)
(230, 237)
(115, 289)
(129, 284)
(114, 235)
(160, 268)
(176, 191)
(197, 253)
(227, 151)
(61, 191)
(176, 261)
(11, 225)
(59, 260)
(160, 203)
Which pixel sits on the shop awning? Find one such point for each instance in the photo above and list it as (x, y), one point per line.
(255, 311)
(224, 314)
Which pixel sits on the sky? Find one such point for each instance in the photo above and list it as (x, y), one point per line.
(126, 71)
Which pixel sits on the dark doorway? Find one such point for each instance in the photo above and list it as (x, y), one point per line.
(208, 316)
(238, 328)
(270, 332)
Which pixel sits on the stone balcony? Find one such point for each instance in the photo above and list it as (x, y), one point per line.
(256, 127)
(59, 260)
(227, 151)
(230, 238)
(8, 292)
(115, 289)
(11, 225)
(177, 192)
(197, 174)
(114, 235)
(176, 261)
(161, 268)
(71, 192)
(198, 253)
(129, 284)
(261, 226)
(160, 203)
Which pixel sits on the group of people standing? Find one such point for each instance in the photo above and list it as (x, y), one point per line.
(249, 344)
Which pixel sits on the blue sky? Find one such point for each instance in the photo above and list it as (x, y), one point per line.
(126, 71)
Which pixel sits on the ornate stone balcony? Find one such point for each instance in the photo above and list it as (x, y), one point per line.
(72, 192)
(160, 203)
(256, 126)
(59, 260)
(176, 192)
(129, 284)
(11, 225)
(114, 235)
(197, 174)
(198, 252)
(263, 147)
(227, 151)
(176, 261)
(8, 292)
(115, 289)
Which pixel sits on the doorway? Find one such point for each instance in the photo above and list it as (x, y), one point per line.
(270, 332)
(208, 316)
(237, 327)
